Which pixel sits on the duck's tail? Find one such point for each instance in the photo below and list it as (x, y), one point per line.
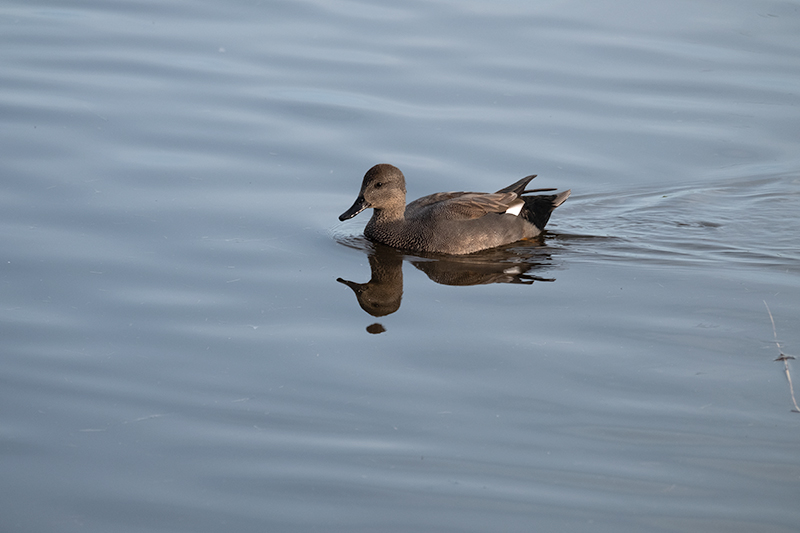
(538, 208)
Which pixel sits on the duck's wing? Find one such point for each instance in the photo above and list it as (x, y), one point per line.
(462, 205)
(432, 199)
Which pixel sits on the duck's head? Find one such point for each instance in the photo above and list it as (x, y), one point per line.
(384, 187)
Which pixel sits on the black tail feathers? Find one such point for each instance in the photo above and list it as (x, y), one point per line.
(538, 208)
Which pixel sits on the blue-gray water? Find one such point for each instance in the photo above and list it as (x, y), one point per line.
(177, 354)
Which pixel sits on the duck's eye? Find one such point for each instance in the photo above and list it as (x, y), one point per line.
(378, 184)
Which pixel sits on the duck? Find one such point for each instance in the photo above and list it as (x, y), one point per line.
(452, 223)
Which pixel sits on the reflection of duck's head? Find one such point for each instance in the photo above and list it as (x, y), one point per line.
(381, 295)
(375, 298)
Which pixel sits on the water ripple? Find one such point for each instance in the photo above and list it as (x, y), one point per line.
(740, 223)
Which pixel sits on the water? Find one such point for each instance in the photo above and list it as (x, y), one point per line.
(179, 356)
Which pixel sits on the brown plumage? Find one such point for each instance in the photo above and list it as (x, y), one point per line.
(450, 222)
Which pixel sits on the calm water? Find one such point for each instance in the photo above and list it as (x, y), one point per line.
(177, 354)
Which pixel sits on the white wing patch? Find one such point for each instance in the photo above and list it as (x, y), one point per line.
(515, 208)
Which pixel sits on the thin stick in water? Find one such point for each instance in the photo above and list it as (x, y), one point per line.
(783, 357)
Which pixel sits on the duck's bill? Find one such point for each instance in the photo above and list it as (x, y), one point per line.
(358, 206)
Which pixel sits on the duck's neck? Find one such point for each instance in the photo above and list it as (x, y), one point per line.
(385, 226)
(388, 216)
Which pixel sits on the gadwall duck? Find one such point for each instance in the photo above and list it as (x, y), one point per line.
(450, 222)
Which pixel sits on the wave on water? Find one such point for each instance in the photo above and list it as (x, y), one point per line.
(747, 222)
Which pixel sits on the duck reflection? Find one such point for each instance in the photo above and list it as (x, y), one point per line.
(382, 294)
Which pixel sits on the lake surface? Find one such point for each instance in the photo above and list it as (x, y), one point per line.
(191, 341)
